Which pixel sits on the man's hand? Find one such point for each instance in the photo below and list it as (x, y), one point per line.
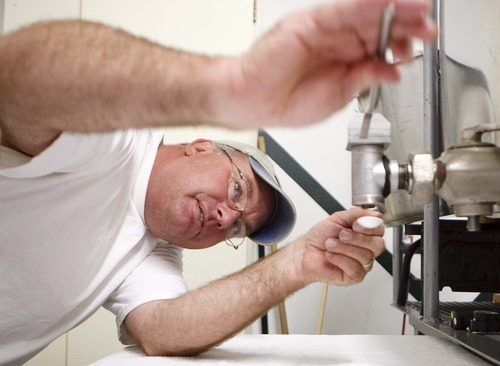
(314, 62)
(309, 66)
(338, 250)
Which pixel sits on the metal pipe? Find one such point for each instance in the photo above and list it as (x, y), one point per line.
(431, 261)
(431, 211)
(397, 256)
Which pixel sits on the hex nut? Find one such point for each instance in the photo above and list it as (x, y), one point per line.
(422, 178)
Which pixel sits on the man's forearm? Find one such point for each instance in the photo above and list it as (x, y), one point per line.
(81, 76)
(205, 317)
(202, 318)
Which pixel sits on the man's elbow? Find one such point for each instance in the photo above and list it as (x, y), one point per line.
(155, 348)
(152, 333)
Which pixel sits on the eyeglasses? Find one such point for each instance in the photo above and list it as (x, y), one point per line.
(237, 197)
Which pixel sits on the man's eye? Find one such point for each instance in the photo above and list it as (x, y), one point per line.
(237, 189)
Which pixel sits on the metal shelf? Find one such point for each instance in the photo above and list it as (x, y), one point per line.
(485, 345)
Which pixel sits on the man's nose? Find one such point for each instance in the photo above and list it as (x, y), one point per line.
(226, 216)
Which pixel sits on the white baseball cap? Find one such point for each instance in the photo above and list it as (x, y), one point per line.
(283, 220)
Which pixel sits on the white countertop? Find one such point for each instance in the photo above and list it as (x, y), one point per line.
(359, 350)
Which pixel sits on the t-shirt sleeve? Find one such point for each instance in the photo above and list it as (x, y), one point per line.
(158, 276)
(72, 152)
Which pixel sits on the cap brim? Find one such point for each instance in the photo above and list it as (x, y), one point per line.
(283, 220)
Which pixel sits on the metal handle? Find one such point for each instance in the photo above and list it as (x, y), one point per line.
(374, 93)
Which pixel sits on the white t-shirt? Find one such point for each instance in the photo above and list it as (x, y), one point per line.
(73, 237)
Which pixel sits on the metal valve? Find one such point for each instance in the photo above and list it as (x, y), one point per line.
(374, 176)
(466, 176)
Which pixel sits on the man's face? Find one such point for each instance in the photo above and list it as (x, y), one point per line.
(187, 201)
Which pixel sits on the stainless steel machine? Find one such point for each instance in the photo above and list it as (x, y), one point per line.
(430, 151)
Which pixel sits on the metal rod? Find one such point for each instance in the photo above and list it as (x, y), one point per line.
(397, 256)
(431, 211)
(385, 31)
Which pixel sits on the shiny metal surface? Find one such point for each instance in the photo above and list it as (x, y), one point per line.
(468, 103)
(472, 179)
(469, 61)
(368, 175)
(367, 143)
(464, 68)
(421, 187)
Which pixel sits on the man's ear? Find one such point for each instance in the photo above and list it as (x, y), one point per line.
(199, 146)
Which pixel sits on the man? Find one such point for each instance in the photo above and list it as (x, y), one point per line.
(95, 210)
